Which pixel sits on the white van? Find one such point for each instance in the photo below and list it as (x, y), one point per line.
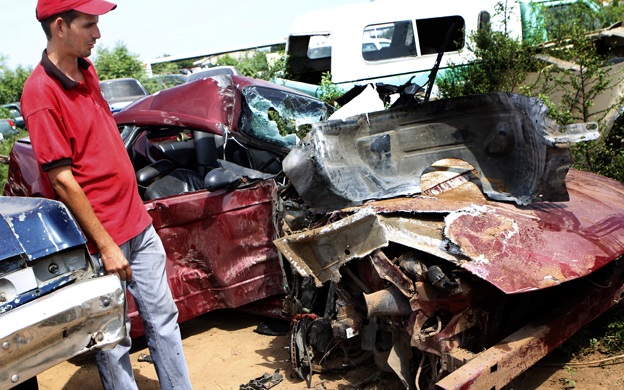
(392, 40)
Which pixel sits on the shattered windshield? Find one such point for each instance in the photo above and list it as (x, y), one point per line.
(280, 117)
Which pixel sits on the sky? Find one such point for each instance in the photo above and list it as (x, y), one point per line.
(151, 28)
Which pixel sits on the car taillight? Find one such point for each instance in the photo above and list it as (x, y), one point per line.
(11, 123)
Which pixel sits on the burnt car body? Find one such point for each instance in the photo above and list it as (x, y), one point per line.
(448, 241)
(52, 304)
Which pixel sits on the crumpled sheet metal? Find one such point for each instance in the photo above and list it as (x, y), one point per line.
(519, 153)
(321, 252)
(514, 248)
(498, 365)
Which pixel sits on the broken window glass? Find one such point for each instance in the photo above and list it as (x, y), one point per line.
(279, 117)
(388, 40)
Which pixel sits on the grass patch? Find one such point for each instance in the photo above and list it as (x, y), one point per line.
(605, 334)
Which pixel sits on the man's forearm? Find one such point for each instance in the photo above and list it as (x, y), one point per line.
(77, 202)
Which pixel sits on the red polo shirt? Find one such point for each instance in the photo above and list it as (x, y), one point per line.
(70, 124)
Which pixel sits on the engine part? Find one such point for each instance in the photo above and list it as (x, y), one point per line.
(387, 302)
(438, 278)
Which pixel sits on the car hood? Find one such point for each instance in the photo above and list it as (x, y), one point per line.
(515, 248)
(35, 227)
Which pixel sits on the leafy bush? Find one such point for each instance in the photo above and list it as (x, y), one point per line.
(12, 82)
(328, 91)
(5, 150)
(503, 63)
(604, 156)
(579, 89)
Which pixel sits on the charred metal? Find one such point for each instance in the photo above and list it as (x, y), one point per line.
(383, 154)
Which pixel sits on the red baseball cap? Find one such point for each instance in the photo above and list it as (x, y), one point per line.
(47, 8)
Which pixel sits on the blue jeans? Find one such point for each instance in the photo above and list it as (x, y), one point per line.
(154, 302)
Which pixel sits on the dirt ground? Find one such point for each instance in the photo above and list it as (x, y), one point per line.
(223, 352)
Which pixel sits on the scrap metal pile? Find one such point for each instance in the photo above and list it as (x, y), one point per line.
(435, 239)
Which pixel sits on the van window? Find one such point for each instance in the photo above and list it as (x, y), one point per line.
(388, 40)
(431, 34)
(319, 47)
(484, 21)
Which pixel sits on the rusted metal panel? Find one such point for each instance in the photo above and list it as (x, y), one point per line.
(518, 248)
(383, 154)
(514, 248)
(497, 366)
(219, 249)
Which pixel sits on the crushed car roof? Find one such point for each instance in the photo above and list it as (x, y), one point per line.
(208, 104)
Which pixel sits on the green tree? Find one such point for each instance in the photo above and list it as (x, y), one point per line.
(571, 89)
(12, 81)
(569, 85)
(118, 63)
(256, 65)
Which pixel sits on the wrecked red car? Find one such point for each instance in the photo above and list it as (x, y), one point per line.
(219, 243)
(448, 242)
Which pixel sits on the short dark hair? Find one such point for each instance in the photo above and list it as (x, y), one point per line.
(67, 16)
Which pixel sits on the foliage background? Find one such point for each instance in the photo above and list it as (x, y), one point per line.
(502, 63)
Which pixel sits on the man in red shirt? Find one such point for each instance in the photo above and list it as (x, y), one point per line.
(77, 143)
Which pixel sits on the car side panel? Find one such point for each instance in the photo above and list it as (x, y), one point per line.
(219, 249)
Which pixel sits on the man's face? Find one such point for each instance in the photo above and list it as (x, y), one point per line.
(80, 37)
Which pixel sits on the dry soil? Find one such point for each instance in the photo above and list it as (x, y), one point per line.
(223, 352)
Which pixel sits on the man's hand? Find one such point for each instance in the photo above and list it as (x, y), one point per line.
(115, 263)
(76, 201)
